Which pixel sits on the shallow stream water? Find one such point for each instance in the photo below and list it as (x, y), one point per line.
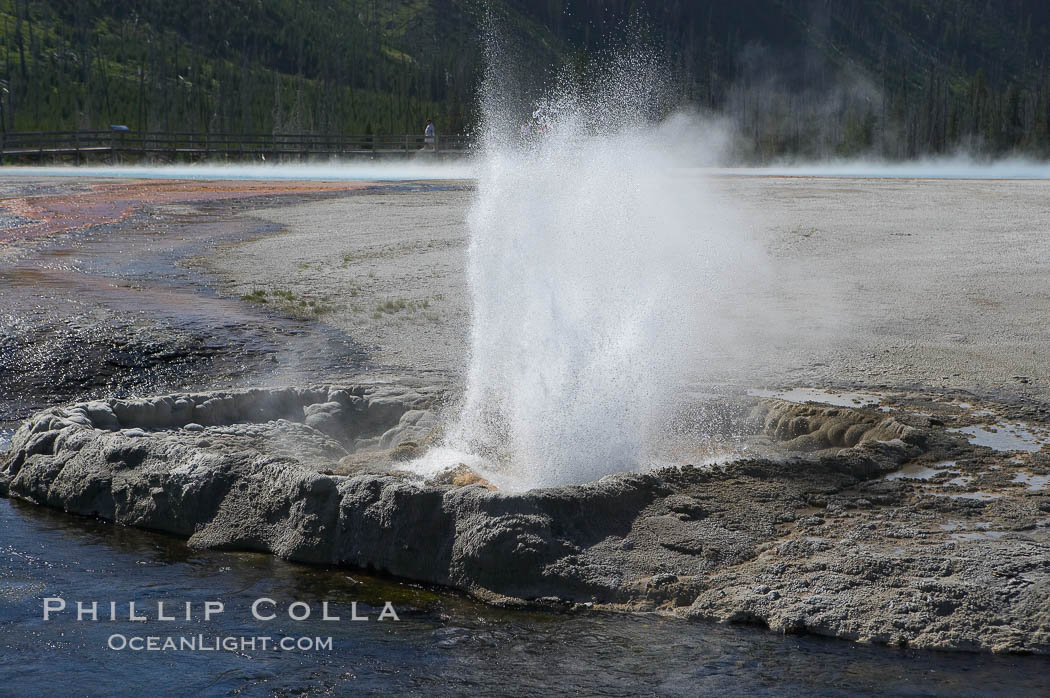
(442, 644)
(120, 310)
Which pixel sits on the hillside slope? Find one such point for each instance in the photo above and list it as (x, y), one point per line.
(808, 77)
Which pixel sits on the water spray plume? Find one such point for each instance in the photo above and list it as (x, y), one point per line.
(594, 272)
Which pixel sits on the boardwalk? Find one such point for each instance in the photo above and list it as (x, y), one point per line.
(45, 147)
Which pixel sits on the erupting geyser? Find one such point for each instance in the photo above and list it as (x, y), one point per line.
(596, 270)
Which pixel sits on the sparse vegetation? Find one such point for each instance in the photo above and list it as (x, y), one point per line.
(397, 305)
(392, 306)
(285, 301)
(256, 296)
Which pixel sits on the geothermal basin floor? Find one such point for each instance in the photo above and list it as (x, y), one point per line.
(932, 292)
(941, 284)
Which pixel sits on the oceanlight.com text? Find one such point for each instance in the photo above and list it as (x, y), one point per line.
(216, 643)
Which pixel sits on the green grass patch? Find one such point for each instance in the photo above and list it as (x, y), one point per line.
(285, 301)
(393, 306)
(256, 296)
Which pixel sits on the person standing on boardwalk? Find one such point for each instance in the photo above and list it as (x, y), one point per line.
(428, 136)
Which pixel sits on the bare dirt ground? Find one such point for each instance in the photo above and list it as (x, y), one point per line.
(59, 206)
(906, 283)
(890, 283)
(388, 266)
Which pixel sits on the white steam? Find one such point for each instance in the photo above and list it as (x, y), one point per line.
(959, 166)
(412, 168)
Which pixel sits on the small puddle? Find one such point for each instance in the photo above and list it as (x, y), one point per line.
(978, 496)
(1035, 483)
(838, 399)
(921, 472)
(979, 535)
(957, 524)
(1005, 437)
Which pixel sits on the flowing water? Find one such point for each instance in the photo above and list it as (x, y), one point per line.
(443, 643)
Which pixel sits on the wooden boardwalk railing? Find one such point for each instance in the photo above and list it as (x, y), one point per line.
(121, 146)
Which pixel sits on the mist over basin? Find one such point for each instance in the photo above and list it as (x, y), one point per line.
(328, 171)
(958, 167)
(467, 168)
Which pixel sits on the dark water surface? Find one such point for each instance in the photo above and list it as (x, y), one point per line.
(443, 644)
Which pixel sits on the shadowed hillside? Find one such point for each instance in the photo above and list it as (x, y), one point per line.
(899, 78)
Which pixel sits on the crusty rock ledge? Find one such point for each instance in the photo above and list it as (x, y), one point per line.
(822, 543)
